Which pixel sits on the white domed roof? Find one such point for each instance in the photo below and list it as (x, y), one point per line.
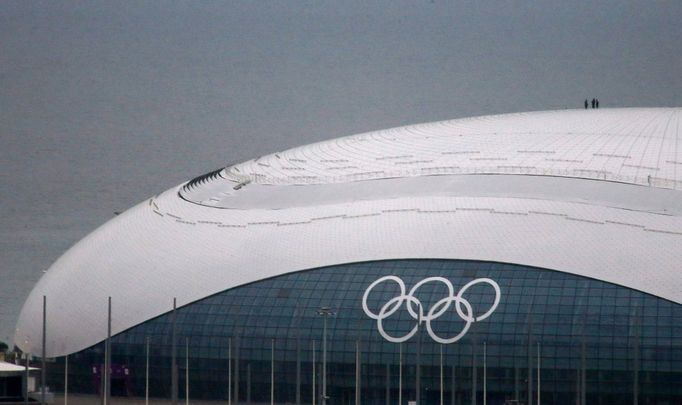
(589, 192)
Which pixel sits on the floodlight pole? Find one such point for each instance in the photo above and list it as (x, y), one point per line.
(174, 365)
(26, 379)
(400, 373)
(485, 373)
(66, 380)
(325, 312)
(441, 375)
(146, 375)
(538, 403)
(42, 372)
(229, 371)
(358, 372)
(107, 357)
(314, 394)
(419, 354)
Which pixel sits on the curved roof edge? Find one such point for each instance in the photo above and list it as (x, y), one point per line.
(143, 258)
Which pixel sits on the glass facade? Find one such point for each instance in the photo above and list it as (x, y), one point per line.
(564, 338)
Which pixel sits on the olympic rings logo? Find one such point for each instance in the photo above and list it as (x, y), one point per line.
(462, 307)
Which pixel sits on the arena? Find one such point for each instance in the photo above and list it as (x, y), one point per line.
(530, 257)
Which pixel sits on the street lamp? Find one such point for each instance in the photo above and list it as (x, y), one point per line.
(324, 312)
(418, 374)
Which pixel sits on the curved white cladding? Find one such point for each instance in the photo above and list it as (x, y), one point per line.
(637, 146)
(216, 237)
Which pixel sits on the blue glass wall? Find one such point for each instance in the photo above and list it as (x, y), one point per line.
(596, 342)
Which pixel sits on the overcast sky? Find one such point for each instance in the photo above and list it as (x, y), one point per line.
(103, 104)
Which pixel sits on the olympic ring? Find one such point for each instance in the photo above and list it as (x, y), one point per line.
(462, 307)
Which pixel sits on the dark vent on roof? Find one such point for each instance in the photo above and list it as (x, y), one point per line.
(204, 178)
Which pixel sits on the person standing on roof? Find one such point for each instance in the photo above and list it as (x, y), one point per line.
(586, 104)
(593, 100)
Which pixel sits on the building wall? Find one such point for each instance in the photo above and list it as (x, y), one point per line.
(596, 340)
